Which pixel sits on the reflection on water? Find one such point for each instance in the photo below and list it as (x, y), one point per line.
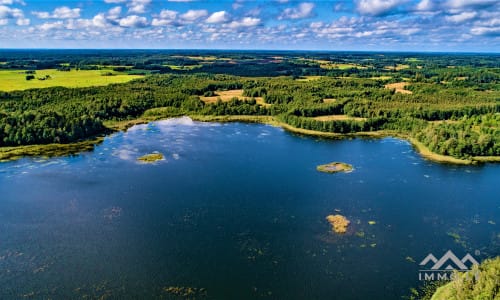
(236, 211)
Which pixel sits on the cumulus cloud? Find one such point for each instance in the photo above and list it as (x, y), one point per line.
(245, 22)
(166, 17)
(115, 1)
(303, 10)
(51, 25)
(193, 15)
(7, 13)
(133, 21)
(62, 12)
(218, 17)
(377, 7)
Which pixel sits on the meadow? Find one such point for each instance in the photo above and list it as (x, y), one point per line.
(15, 80)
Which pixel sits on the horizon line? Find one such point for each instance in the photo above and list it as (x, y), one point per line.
(260, 50)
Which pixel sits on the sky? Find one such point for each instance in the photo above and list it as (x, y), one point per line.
(358, 25)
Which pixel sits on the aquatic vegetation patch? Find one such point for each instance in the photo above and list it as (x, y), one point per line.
(151, 158)
(335, 167)
(339, 223)
(185, 292)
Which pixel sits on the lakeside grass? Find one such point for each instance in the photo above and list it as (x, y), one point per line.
(49, 150)
(12, 80)
(14, 153)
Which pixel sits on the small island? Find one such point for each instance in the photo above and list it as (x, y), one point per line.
(151, 158)
(335, 167)
(339, 223)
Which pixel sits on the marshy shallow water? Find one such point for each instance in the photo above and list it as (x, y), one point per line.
(236, 211)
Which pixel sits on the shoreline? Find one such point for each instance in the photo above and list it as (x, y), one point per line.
(50, 150)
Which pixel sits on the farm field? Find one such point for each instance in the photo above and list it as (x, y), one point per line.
(13, 80)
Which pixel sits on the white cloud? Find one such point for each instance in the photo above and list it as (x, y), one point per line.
(138, 6)
(133, 21)
(180, 0)
(470, 3)
(65, 12)
(99, 20)
(425, 5)
(51, 25)
(245, 22)
(193, 15)
(7, 13)
(166, 17)
(115, 1)
(303, 10)
(462, 17)
(62, 12)
(218, 17)
(481, 30)
(23, 22)
(114, 12)
(168, 14)
(377, 7)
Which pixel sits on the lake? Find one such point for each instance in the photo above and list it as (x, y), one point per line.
(236, 211)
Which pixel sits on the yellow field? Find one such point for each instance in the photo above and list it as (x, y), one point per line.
(338, 118)
(309, 78)
(228, 95)
(398, 67)
(399, 87)
(11, 80)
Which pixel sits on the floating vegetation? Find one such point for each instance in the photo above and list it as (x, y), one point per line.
(335, 167)
(492, 222)
(372, 222)
(339, 223)
(410, 259)
(457, 238)
(150, 158)
(185, 291)
(360, 234)
(373, 245)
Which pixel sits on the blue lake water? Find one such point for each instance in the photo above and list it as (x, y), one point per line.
(236, 211)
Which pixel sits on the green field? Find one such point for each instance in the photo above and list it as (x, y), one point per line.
(11, 80)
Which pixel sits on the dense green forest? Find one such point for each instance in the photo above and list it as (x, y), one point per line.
(450, 103)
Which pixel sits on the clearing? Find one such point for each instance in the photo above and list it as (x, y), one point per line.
(338, 118)
(399, 87)
(226, 96)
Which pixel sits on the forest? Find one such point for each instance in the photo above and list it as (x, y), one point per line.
(448, 102)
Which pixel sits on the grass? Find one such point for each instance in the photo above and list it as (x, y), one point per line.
(338, 118)
(309, 78)
(11, 80)
(399, 87)
(184, 68)
(335, 167)
(50, 150)
(151, 158)
(226, 96)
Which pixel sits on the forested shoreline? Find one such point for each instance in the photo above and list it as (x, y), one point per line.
(453, 111)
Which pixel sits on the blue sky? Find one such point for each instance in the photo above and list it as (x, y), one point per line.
(387, 25)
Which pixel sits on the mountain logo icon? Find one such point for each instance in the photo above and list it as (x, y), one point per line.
(449, 261)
